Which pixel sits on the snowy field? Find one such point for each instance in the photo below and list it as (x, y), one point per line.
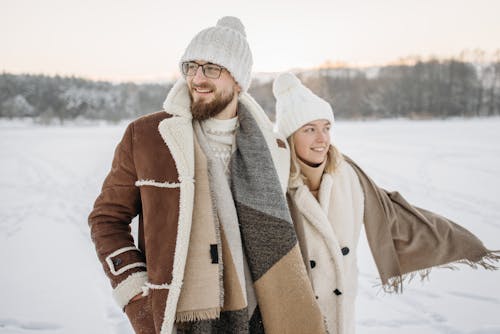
(51, 281)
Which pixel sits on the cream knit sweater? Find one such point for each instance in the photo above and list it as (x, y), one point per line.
(221, 138)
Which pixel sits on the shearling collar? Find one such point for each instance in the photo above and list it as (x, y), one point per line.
(178, 102)
(302, 194)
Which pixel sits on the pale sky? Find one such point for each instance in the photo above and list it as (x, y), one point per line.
(123, 40)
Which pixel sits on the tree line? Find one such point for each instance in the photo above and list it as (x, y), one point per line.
(413, 88)
(59, 98)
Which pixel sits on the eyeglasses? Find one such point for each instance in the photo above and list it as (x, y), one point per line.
(209, 70)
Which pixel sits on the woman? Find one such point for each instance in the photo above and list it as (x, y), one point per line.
(330, 197)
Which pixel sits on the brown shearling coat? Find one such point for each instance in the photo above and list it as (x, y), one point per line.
(152, 176)
(139, 156)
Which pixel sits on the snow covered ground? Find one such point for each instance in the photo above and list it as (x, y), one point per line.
(51, 282)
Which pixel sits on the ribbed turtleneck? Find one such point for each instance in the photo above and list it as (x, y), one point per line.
(220, 134)
(313, 176)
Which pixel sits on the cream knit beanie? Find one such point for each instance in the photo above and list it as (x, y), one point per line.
(296, 105)
(225, 45)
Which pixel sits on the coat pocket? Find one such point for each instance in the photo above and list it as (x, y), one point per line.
(140, 316)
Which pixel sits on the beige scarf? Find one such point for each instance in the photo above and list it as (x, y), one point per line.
(285, 297)
(202, 295)
(208, 287)
(406, 240)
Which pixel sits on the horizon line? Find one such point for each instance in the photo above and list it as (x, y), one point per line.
(409, 60)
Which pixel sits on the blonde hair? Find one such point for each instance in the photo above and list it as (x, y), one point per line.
(333, 159)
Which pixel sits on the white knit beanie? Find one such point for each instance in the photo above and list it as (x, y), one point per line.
(296, 105)
(225, 45)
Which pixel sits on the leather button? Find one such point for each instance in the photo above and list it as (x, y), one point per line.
(312, 263)
(117, 261)
(337, 292)
(214, 253)
(345, 251)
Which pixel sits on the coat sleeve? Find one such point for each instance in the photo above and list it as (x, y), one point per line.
(109, 221)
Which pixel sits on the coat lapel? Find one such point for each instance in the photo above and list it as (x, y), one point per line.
(318, 218)
(177, 133)
(325, 192)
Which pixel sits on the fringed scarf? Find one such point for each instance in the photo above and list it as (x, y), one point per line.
(286, 301)
(407, 241)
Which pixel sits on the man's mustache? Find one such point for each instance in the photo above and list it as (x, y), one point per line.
(204, 86)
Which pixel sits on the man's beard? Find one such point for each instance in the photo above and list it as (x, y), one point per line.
(202, 110)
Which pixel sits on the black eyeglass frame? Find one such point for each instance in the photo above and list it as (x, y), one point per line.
(185, 69)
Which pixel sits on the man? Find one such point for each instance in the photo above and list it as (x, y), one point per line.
(207, 177)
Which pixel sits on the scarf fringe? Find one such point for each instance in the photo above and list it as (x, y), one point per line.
(198, 315)
(488, 262)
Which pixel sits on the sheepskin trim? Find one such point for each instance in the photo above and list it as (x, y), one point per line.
(153, 183)
(180, 255)
(325, 192)
(311, 210)
(164, 286)
(178, 102)
(120, 271)
(177, 133)
(129, 287)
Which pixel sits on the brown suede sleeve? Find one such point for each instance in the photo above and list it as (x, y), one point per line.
(113, 211)
(140, 316)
